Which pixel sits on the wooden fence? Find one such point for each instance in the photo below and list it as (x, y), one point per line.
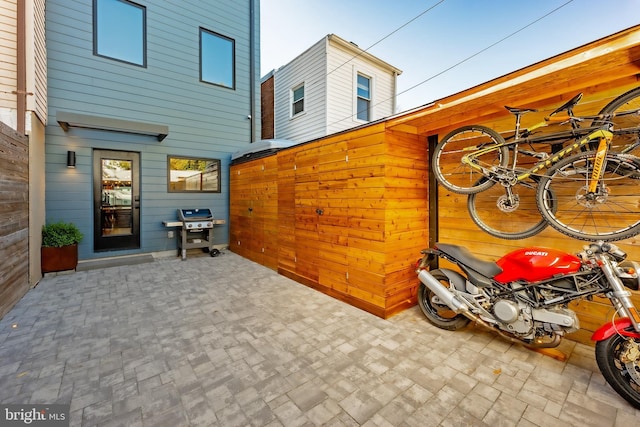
(14, 217)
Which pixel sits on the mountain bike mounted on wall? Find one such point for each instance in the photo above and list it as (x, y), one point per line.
(583, 180)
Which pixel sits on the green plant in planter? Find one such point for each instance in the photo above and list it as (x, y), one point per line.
(59, 234)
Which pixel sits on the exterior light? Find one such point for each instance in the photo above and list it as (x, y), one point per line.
(71, 159)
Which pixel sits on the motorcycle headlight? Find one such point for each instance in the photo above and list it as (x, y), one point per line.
(629, 273)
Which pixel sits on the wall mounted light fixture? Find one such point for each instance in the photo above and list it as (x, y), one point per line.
(71, 159)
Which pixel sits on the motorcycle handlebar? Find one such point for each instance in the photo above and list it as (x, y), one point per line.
(605, 248)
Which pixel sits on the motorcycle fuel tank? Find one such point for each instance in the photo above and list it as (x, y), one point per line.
(535, 264)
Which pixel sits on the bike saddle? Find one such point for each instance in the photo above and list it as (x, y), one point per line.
(568, 106)
(486, 268)
(520, 111)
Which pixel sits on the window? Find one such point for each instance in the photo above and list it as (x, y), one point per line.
(297, 100)
(119, 31)
(363, 98)
(193, 175)
(217, 59)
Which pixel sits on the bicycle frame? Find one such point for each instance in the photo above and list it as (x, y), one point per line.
(574, 132)
(602, 134)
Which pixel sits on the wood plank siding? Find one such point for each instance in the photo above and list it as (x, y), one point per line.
(371, 184)
(14, 217)
(8, 54)
(340, 225)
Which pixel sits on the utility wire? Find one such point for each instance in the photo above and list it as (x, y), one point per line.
(459, 62)
(482, 50)
(386, 37)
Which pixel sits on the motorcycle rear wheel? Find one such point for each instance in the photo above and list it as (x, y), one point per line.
(439, 315)
(623, 377)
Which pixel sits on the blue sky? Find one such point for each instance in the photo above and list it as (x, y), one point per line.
(449, 33)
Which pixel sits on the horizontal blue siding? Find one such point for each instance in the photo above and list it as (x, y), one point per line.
(204, 120)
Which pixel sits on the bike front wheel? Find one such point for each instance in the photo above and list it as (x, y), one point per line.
(621, 371)
(507, 213)
(458, 177)
(566, 199)
(625, 126)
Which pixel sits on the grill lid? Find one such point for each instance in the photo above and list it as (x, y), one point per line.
(195, 214)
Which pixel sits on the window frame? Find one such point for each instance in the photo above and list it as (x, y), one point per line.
(144, 34)
(358, 97)
(293, 101)
(233, 57)
(218, 163)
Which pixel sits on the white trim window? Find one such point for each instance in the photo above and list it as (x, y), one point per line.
(297, 100)
(363, 97)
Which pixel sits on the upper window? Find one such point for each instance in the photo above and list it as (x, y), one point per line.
(217, 59)
(187, 174)
(364, 98)
(297, 100)
(119, 31)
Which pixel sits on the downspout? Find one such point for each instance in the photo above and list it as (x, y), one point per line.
(252, 72)
(21, 68)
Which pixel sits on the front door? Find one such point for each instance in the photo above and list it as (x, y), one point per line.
(116, 200)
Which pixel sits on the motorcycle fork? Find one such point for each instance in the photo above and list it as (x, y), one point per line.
(619, 296)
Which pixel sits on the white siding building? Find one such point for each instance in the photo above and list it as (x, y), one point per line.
(334, 85)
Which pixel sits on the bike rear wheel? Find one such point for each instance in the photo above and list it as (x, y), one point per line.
(461, 178)
(610, 213)
(507, 216)
(621, 372)
(628, 101)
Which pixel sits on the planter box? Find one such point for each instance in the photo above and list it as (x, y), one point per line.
(59, 259)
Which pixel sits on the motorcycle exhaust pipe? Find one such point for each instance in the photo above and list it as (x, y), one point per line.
(442, 292)
(460, 307)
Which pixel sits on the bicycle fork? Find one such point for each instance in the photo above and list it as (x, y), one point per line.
(599, 163)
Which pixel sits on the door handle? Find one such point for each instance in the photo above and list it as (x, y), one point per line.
(319, 211)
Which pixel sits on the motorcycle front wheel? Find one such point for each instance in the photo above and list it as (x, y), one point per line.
(439, 314)
(618, 362)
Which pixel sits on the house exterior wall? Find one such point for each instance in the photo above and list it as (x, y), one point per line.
(8, 61)
(204, 120)
(343, 70)
(266, 106)
(329, 72)
(36, 70)
(308, 68)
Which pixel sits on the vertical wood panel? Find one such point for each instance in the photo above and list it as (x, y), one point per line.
(14, 217)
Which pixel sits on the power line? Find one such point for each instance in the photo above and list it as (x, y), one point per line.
(481, 51)
(386, 37)
(463, 60)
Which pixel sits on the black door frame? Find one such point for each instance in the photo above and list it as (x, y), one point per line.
(107, 242)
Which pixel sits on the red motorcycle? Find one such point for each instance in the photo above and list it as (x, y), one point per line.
(524, 296)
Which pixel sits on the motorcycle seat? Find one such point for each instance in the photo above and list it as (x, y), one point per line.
(462, 254)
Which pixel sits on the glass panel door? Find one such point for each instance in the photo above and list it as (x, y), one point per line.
(116, 200)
